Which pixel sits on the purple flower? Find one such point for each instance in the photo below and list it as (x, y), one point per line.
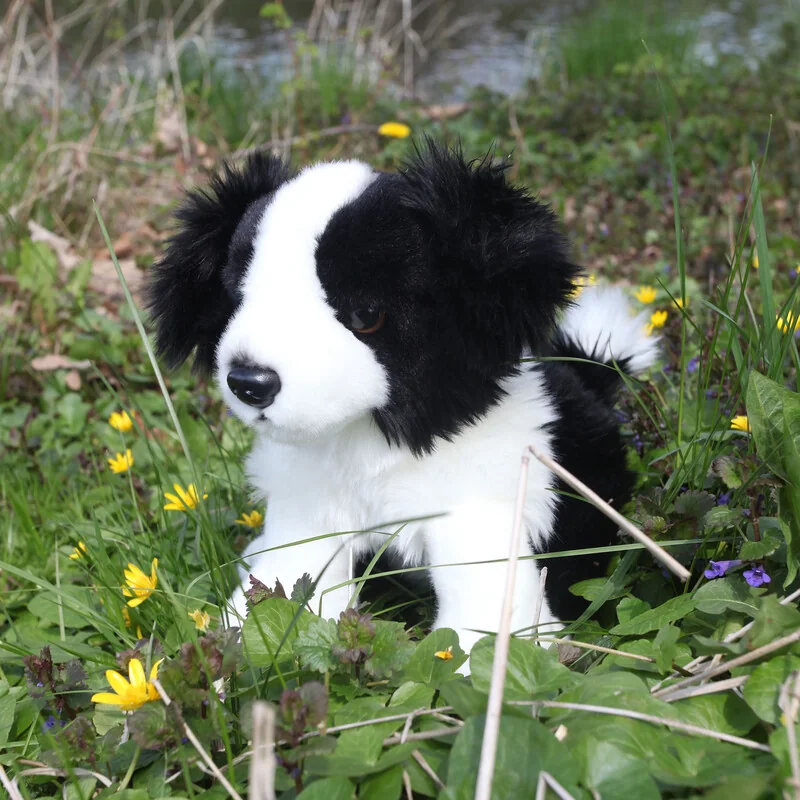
(716, 569)
(711, 393)
(793, 274)
(724, 499)
(756, 576)
(693, 365)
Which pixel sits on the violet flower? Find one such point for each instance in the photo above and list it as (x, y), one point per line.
(716, 569)
(693, 365)
(756, 576)
(724, 499)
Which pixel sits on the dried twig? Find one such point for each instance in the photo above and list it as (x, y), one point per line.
(790, 701)
(547, 780)
(427, 768)
(626, 525)
(624, 712)
(709, 688)
(261, 785)
(537, 613)
(10, 787)
(483, 789)
(189, 733)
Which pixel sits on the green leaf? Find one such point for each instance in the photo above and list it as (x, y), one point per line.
(411, 695)
(425, 667)
(722, 594)
(630, 607)
(790, 494)
(721, 517)
(385, 785)
(314, 645)
(269, 623)
(765, 400)
(593, 588)
(726, 713)
(357, 752)
(763, 687)
(338, 788)
(45, 606)
(674, 609)
(524, 748)
(695, 504)
(532, 671)
(729, 470)
(755, 551)
(665, 647)
(772, 621)
(616, 774)
(391, 648)
(7, 705)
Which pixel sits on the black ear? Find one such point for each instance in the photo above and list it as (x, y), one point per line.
(497, 249)
(191, 292)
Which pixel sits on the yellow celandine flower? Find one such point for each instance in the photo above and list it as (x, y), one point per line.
(741, 423)
(126, 616)
(394, 130)
(184, 500)
(133, 692)
(657, 320)
(255, 519)
(755, 261)
(138, 585)
(646, 294)
(581, 282)
(445, 655)
(120, 421)
(202, 619)
(790, 323)
(120, 462)
(79, 552)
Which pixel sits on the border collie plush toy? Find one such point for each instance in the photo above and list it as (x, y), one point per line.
(375, 329)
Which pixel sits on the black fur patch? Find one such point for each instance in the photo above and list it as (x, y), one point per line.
(193, 289)
(469, 270)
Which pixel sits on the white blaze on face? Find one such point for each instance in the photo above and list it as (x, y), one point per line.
(328, 377)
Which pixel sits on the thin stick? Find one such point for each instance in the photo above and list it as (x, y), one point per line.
(547, 780)
(734, 662)
(407, 785)
(791, 698)
(579, 486)
(421, 736)
(540, 599)
(12, 790)
(261, 785)
(483, 789)
(599, 648)
(709, 688)
(199, 747)
(624, 712)
(427, 768)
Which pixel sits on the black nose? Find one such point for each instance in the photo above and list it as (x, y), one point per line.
(255, 386)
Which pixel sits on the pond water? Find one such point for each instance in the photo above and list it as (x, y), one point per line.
(506, 41)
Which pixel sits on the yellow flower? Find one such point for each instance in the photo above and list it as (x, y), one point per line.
(120, 421)
(202, 619)
(679, 303)
(133, 692)
(80, 551)
(394, 130)
(255, 519)
(646, 294)
(121, 463)
(755, 261)
(741, 423)
(445, 655)
(581, 282)
(138, 585)
(126, 616)
(184, 499)
(657, 320)
(790, 323)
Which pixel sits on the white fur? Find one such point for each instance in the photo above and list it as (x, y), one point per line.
(352, 481)
(602, 324)
(328, 377)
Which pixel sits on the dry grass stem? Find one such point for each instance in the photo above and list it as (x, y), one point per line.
(421, 736)
(407, 785)
(10, 787)
(624, 712)
(427, 769)
(746, 658)
(189, 733)
(261, 785)
(597, 647)
(546, 780)
(709, 688)
(537, 612)
(579, 486)
(789, 702)
(483, 789)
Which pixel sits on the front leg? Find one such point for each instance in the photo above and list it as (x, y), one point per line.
(281, 553)
(470, 598)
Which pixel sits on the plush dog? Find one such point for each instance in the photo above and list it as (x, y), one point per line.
(379, 331)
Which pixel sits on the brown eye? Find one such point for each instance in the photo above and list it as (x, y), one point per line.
(366, 320)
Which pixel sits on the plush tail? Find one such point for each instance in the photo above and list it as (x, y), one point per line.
(601, 328)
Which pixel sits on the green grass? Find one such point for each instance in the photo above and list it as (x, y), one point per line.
(678, 201)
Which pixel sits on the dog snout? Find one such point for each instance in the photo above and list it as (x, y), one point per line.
(254, 386)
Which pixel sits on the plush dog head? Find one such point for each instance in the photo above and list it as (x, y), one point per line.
(341, 292)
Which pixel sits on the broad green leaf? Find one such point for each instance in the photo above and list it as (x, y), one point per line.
(726, 713)
(616, 774)
(465, 699)
(644, 647)
(765, 400)
(7, 705)
(790, 494)
(772, 621)
(665, 647)
(270, 623)
(755, 551)
(411, 695)
(630, 607)
(357, 752)
(593, 588)
(763, 687)
(338, 788)
(721, 594)
(425, 667)
(674, 609)
(532, 671)
(524, 748)
(385, 785)
(45, 606)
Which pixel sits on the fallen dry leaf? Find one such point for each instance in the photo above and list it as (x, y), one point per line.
(53, 361)
(65, 252)
(73, 380)
(123, 246)
(104, 278)
(447, 111)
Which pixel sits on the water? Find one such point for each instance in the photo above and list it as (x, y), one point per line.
(505, 46)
